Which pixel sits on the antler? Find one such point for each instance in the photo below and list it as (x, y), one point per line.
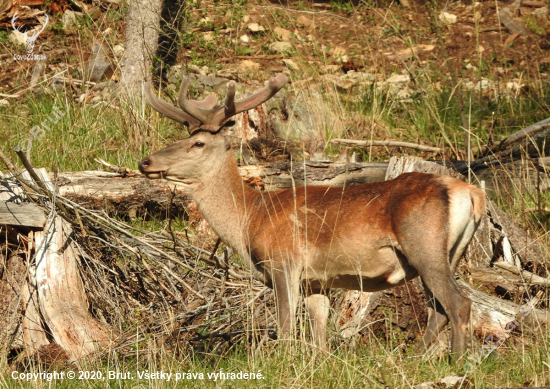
(13, 19)
(35, 35)
(206, 114)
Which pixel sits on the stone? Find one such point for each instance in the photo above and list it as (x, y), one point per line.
(203, 84)
(330, 68)
(540, 12)
(174, 74)
(282, 34)
(484, 84)
(398, 78)
(304, 21)
(244, 38)
(255, 28)
(361, 76)
(408, 52)
(17, 38)
(404, 94)
(208, 36)
(337, 52)
(281, 47)
(4, 103)
(99, 66)
(448, 18)
(452, 381)
(118, 50)
(68, 19)
(342, 84)
(248, 65)
(306, 118)
(291, 64)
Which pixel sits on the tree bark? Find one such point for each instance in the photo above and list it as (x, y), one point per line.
(142, 34)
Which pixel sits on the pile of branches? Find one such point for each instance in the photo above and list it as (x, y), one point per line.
(155, 290)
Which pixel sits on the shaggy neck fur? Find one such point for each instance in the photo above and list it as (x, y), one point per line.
(223, 199)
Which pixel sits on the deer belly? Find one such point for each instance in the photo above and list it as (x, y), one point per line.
(380, 270)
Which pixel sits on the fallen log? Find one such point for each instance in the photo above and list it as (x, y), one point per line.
(525, 276)
(386, 143)
(497, 281)
(136, 196)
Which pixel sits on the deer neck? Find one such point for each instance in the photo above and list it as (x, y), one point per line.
(225, 200)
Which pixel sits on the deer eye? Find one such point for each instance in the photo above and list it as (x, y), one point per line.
(199, 145)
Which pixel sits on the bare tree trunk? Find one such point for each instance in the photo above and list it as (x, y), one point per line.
(142, 34)
(62, 297)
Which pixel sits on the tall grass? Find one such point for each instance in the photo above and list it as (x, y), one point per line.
(300, 365)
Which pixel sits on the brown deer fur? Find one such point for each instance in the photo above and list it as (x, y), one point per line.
(368, 237)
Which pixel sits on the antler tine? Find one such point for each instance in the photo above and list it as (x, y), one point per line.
(189, 106)
(170, 111)
(232, 108)
(273, 86)
(229, 106)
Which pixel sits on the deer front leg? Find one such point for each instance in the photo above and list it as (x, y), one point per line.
(286, 285)
(318, 306)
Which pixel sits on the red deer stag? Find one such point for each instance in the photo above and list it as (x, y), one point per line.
(368, 237)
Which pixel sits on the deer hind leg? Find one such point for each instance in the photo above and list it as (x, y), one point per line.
(457, 307)
(286, 285)
(318, 306)
(433, 267)
(436, 321)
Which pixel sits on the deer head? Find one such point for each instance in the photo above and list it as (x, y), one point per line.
(191, 160)
(30, 40)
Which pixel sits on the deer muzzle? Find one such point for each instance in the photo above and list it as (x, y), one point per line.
(146, 167)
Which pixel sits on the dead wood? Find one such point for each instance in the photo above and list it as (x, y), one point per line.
(136, 196)
(497, 281)
(12, 281)
(525, 132)
(26, 215)
(62, 298)
(387, 143)
(512, 24)
(530, 145)
(491, 315)
(119, 195)
(524, 275)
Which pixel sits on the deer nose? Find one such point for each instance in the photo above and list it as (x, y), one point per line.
(144, 163)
